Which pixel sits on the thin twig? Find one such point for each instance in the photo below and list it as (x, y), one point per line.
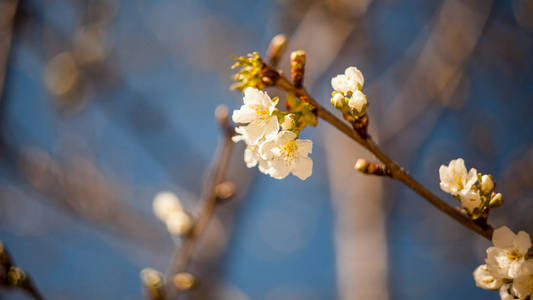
(7, 19)
(396, 171)
(12, 276)
(184, 253)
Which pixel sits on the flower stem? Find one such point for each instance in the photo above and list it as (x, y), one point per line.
(396, 171)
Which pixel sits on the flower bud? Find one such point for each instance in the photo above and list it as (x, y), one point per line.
(289, 122)
(496, 200)
(337, 100)
(487, 185)
(16, 276)
(276, 48)
(358, 101)
(361, 165)
(179, 223)
(151, 277)
(153, 282)
(225, 190)
(184, 281)
(297, 67)
(165, 203)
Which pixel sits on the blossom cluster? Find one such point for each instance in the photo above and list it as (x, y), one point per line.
(347, 95)
(508, 266)
(474, 190)
(271, 137)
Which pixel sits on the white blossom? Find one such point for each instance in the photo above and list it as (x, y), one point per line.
(487, 185)
(523, 283)
(257, 113)
(470, 200)
(485, 280)
(454, 178)
(351, 81)
(358, 101)
(285, 154)
(505, 259)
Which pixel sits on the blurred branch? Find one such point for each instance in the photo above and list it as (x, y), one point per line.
(12, 276)
(457, 28)
(184, 253)
(8, 10)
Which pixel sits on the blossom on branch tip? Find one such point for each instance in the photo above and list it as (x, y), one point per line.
(348, 83)
(474, 190)
(347, 95)
(454, 178)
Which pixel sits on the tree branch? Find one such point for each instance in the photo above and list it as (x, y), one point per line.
(12, 276)
(184, 253)
(396, 171)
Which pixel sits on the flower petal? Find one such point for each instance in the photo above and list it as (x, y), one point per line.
(243, 115)
(522, 242)
(254, 132)
(503, 237)
(250, 158)
(303, 168)
(304, 147)
(252, 96)
(265, 149)
(285, 136)
(354, 74)
(279, 169)
(271, 127)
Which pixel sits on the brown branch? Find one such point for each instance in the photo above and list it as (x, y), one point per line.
(184, 253)
(396, 171)
(7, 23)
(12, 276)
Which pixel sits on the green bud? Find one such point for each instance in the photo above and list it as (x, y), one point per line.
(496, 200)
(338, 100)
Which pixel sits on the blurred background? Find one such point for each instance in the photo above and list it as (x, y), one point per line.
(105, 103)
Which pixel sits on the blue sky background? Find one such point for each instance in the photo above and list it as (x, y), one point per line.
(149, 126)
